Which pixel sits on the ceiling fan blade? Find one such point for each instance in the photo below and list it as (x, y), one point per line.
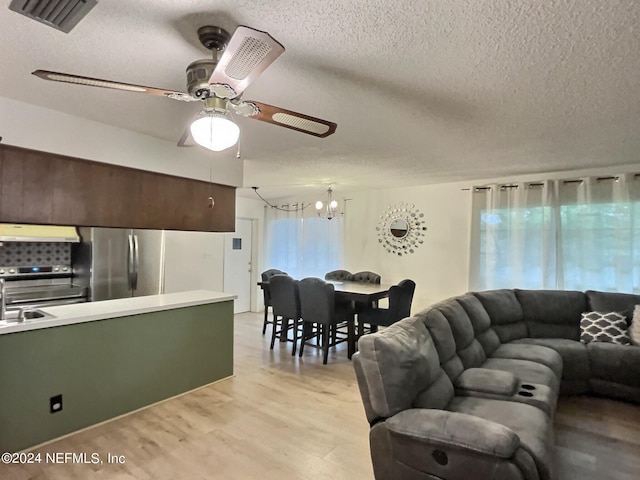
(247, 55)
(99, 82)
(293, 120)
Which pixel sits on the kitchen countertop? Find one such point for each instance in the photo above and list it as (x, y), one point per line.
(121, 307)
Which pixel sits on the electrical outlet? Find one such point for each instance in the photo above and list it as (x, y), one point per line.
(55, 404)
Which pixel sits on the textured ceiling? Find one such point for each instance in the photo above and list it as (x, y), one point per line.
(422, 91)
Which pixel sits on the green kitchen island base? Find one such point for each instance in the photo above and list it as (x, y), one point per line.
(106, 368)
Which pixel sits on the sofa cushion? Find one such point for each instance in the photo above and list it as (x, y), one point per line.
(501, 305)
(436, 395)
(575, 359)
(535, 353)
(399, 363)
(623, 303)
(615, 363)
(608, 327)
(505, 313)
(468, 349)
(483, 380)
(440, 331)
(552, 313)
(530, 424)
(454, 337)
(526, 371)
(484, 332)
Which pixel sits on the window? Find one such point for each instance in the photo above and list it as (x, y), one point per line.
(600, 245)
(573, 235)
(304, 246)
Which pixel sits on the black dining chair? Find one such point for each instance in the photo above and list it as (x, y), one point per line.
(266, 276)
(400, 299)
(339, 275)
(318, 308)
(366, 277)
(285, 302)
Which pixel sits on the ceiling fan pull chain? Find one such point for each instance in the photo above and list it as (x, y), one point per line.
(211, 200)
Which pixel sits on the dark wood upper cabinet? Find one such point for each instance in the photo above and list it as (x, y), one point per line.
(49, 189)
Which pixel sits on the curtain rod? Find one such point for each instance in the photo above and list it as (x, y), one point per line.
(540, 184)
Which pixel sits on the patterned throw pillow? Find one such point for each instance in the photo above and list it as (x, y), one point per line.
(634, 329)
(604, 327)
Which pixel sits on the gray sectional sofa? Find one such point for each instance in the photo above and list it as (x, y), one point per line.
(467, 388)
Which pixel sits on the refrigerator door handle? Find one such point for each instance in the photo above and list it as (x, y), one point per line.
(136, 262)
(130, 262)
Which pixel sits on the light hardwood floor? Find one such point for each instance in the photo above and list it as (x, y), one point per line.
(287, 418)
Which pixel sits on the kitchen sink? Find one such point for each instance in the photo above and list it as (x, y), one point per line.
(31, 314)
(15, 315)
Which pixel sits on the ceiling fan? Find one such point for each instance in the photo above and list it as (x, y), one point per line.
(219, 84)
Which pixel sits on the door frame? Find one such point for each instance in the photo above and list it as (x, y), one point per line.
(253, 285)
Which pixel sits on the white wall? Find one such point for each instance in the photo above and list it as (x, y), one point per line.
(193, 261)
(439, 266)
(37, 128)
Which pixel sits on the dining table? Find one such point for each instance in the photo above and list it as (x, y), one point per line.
(359, 294)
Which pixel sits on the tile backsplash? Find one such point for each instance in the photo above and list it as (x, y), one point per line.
(24, 254)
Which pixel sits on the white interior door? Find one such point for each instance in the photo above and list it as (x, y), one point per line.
(237, 265)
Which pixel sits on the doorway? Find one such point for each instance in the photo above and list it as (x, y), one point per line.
(237, 264)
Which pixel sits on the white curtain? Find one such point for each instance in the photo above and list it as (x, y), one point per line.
(301, 243)
(513, 236)
(572, 234)
(600, 234)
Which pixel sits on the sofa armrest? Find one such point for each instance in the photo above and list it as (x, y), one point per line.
(456, 430)
(485, 380)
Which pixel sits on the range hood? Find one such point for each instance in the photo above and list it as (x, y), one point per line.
(11, 232)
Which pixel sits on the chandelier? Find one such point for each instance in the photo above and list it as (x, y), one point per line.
(328, 210)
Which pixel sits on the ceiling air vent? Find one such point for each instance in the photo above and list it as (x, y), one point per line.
(60, 14)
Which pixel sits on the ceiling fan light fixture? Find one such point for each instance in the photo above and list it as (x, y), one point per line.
(215, 131)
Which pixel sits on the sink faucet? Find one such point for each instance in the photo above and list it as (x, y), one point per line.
(3, 300)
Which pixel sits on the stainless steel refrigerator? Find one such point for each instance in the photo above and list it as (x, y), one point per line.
(119, 263)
